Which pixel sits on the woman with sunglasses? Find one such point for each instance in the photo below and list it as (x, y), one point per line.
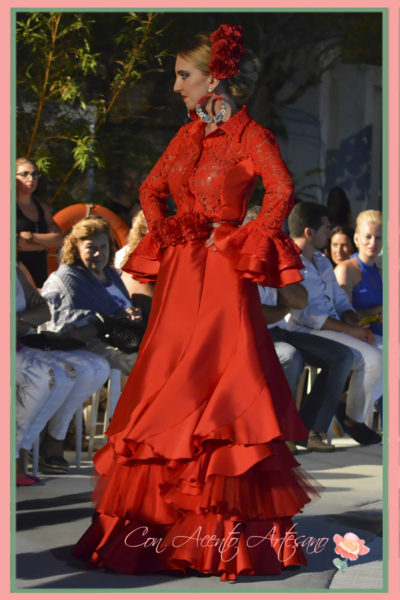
(36, 228)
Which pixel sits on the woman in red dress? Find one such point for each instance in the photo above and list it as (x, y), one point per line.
(196, 473)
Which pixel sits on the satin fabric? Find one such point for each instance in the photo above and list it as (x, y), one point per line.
(196, 444)
(196, 473)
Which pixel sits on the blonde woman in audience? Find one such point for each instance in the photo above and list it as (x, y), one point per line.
(140, 293)
(360, 276)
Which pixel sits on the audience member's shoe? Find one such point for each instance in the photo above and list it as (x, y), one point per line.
(292, 447)
(360, 432)
(319, 442)
(56, 465)
(27, 480)
(363, 434)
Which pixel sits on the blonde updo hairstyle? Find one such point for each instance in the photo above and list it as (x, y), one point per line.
(21, 161)
(85, 229)
(241, 87)
(136, 234)
(368, 216)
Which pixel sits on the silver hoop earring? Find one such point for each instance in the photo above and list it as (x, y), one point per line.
(206, 118)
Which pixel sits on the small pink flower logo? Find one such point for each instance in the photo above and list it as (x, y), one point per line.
(349, 547)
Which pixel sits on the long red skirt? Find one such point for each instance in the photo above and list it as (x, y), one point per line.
(196, 473)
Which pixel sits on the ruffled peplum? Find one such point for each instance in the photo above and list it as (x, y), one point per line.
(267, 256)
(144, 262)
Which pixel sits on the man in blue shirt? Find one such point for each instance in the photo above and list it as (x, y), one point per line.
(330, 315)
(294, 349)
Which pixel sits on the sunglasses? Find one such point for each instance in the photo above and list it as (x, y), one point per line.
(25, 174)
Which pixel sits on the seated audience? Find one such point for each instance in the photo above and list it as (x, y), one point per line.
(361, 278)
(329, 314)
(51, 385)
(341, 244)
(294, 349)
(36, 229)
(85, 283)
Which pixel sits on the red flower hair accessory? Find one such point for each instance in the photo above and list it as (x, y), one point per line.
(226, 51)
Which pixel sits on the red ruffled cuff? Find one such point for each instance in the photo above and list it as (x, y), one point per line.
(267, 256)
(144, 262)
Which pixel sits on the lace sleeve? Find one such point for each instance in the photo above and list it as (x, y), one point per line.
(144, 262)
(154, 191)
(260, 250)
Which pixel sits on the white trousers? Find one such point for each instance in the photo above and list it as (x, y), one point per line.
(366, 380)
(51, 386)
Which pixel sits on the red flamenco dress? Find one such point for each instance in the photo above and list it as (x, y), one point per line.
(196, 473)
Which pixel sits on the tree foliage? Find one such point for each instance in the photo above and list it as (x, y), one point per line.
(94, 89)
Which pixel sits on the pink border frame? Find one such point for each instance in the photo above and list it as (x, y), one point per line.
(393, 7)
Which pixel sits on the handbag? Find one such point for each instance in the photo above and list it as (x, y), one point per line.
(120, 332)
(49, 340)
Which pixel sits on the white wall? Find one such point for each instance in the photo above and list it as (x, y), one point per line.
(336, 127)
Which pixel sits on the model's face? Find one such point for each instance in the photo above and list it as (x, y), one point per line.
(369, 240)
(340, 247)
(190, 82)
(322, 235)
(27, 178)
(95, 252)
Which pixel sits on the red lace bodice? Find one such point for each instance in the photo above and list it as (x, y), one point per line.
(211, 179)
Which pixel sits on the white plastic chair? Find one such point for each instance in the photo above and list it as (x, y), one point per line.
(113, 394)
(310, 373)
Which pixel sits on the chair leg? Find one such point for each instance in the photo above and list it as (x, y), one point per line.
(300, 388)
(114, 392)
(93, 422)
(78, 437)
(312, 375)
(35, 456)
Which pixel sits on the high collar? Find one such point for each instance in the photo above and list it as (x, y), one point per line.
(232, 127)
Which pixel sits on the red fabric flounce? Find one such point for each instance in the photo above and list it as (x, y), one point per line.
(174, 510)
(257, 482)
(267, 256)
(196, 443)
(205, 542)
(144, 262)
(179, 229)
